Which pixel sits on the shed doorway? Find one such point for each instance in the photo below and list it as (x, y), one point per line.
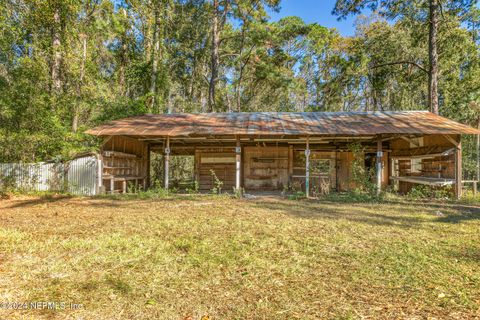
(181, 171)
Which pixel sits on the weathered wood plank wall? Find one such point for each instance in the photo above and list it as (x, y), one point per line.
(131, 158)
(265, 168)
(221, 161)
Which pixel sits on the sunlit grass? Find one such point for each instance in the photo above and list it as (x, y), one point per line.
(240, 259)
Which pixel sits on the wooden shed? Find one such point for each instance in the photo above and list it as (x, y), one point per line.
(273, 151)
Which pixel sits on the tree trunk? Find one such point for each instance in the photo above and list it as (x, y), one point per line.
(433, 57)
(56, 53)
(121, 75)
(154, 61)
(229, 102)
(191, 86)
(203, 102)
(237, 91)
(76, 111)
(478, 151)
(214, 58)
(123, 62)
(240, 69)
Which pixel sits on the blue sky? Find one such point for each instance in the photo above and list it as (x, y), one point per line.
(315, 11)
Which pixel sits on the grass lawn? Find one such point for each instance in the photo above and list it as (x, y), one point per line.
(239, 259)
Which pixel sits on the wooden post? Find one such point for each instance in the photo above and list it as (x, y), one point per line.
(336, 169)
(478, 155)
(197, 166)
(146, 180)
(100, 187)
(238, 161)
(167, 161)
(379, 166)
(290, 164)
(307, 168)
(458, 171)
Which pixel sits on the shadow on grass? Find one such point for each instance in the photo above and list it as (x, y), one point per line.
(398, 212)
(466, 253)
(45, 199)
(108, 200)
(308, 209)
(461, 211)
(382, 213)
(458, 218)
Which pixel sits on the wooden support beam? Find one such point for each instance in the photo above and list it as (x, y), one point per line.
(197, 166)
(307, 168)
(238, 164)
(100, 187)
(167, 161)
(421, 153)
(478, 156)
(412, 141)
(388, 137)
(106, 140)
(458, 163)
(474, 185)
(458, 171)
(452, 140)
(146, 182)
(290, 164)
(379, 166)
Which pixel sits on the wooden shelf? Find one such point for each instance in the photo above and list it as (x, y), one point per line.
(437, 182)
(117, 154)
(312, 176)
(258, 177)
(266, 158)
(121, 178)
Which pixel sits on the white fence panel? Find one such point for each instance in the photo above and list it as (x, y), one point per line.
(82, 176)
(79, 176)
(33, 176)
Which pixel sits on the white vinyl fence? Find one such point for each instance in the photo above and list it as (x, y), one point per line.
(79, 176)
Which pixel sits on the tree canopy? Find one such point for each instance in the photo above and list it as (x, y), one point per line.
(68, 65)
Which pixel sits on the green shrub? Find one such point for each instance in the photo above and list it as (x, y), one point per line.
(428, 192)
(7, 183)
(154, 192)
(238, 193)
(470, 198)
(4, 195)
(361, 177)
(194, 189)
(297, 195)
(217, 183)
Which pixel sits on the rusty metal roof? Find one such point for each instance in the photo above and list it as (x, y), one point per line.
(283, 124)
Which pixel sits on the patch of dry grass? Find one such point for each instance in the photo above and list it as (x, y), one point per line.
(239, 259)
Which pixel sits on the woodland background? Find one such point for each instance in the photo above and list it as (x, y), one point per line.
(68, 65)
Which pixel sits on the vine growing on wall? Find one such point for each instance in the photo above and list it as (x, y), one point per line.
(362, 178)
(217, 183)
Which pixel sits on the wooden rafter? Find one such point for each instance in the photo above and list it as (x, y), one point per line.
(451, 140)
(410, 140)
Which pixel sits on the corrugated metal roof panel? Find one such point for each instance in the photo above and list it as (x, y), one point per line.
(283, 123)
